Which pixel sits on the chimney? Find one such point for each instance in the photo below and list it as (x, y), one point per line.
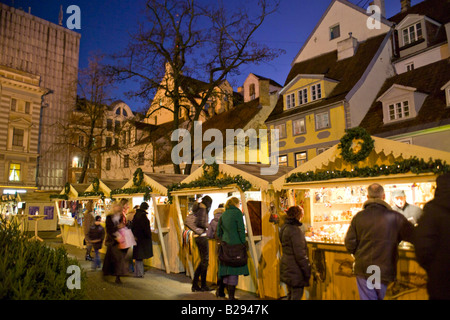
(347, 48)
(382, 6)
(405, 5)
(264, 89)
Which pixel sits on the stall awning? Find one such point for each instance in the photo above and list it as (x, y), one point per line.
(104, 186)
(157, 181)
(385, 152)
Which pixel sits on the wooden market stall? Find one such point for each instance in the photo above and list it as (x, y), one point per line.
(67, 206)
(332, 188)
(152, 187)
(38, 202)
(244, 181)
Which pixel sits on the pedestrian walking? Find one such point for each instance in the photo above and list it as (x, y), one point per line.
(96, 237)
(114, 262)
(373, 238)
(201, 220)
(88, 222)
(432, 241)
(231, 230)
(212, 234)
(143, 234)
(295, 268)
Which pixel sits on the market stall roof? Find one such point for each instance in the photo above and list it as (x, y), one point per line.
(157, 181)
(106, 186)
(36, 196)
(250, 172)
(75, 190)
(385, 152)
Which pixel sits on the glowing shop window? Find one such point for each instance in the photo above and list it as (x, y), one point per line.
(14, 172)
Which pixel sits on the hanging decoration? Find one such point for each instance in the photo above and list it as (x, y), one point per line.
(64, 196)
(352, 150)
(138, 177)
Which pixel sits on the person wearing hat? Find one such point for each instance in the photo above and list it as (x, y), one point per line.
(411, 212)
(143, 234)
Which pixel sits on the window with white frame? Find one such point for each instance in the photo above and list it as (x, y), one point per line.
(303, 96)
(322, 120)
(412, 33)
(316, 92)
(399, 110)
(282, 160)
(300, 157)
(281, 130)
(290, 101)
(298, 126)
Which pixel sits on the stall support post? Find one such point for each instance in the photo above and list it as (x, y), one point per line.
(160, 234)
(58, 213)
(251, 241)
(189, 268)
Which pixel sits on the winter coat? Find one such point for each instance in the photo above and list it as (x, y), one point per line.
(373, 238)
(97, 232)
(88, 222)
(295, 269)
(212, 228)
(201, 213)
(143, 234)
(231, 229)
(432, 240)
(411, 212)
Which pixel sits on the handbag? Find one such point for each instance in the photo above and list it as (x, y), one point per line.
(233, 255)
(125, 238)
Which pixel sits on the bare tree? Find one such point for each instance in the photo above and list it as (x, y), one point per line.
(181, 41)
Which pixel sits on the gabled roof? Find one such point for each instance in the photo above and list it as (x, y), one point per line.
(347, 72)
(434, 112)
(272, 82)
(437, 10)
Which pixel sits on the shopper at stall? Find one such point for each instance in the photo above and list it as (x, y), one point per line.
(432, 241)
(411, 212)
(295, 269)
(114, 262)
(96, 237)
(373, 238)
(201, 213)
(88, 222)
(212, 234)
(231, 229)
(143, 234)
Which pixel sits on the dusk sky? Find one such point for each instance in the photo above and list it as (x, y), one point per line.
(105, 25)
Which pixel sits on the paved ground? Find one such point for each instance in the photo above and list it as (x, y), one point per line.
(156, 284)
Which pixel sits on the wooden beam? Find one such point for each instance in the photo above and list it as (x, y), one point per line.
(160, 234)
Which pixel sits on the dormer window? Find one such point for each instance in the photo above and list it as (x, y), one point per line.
(399, 110)
(290, 100)
(412, 33)
(303, 96)
(316, 92)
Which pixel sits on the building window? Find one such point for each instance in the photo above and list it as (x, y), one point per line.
(109, 124)
(13, 104)
(290, 101)
(126, 161)
(117, 126)
(281, 130)
(125, 113)
(18, 137)
(322, 120)
(283, 161)
(14, 172)
(108, 164)
(399, 110)
(108, 142)
(300, 157)
(410, 66)
(27, 107)
(91, 164)
(316, 92)
(412, 33)
(251, 91)
(141, 159)
(298, 126)
(303, 96)
(335, 32)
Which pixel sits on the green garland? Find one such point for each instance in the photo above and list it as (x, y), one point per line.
(210, 180)
(347, 141)
(413, 165)
(67, 188)
(64, 196)
(146, 190)
(96, 184)
(138, 177)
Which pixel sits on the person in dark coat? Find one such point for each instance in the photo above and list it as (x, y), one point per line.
(96, 237)
(201, 240)
(212, 234)
(295, 269)
(231, 229)
(114, 261)
(432, 241)
(143, 234)
(373, 238)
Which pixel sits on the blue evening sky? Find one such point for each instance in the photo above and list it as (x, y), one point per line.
(106, 24)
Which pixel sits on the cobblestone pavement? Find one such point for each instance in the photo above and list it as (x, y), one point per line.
(155, 285)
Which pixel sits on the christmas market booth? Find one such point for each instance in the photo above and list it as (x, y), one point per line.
(248, 183)
(153, 188)
(38, 211)
(99, 192)
(69, 211)
(332, 188)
